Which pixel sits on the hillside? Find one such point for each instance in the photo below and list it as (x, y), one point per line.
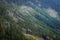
(30, 37)
(28, 19)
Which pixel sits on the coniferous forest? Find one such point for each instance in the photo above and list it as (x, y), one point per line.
(29, 20)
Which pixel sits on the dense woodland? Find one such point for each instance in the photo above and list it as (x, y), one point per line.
(11, 29)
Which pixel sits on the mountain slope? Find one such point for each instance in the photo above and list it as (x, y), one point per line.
(33, 37)
(26, 19)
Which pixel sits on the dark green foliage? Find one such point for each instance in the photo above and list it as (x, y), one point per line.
(9, 30)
